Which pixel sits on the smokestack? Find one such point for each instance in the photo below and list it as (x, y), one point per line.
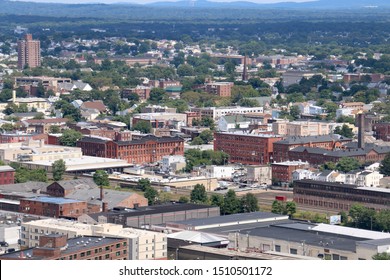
(244, 72)
(13, 96)
(101, 193)
(104, 206)
(361, 131)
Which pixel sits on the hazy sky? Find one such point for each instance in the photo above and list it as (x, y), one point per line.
(152, 1)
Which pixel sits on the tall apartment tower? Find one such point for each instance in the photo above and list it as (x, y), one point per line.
(29, 52)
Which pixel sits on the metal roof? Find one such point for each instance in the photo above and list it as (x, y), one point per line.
(53, 200)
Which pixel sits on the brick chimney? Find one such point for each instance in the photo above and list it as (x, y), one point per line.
(101, 193)
(361, 130)
(104, 206)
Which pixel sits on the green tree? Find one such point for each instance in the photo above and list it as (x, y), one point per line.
(184, 199)
(295, 112)
(277, 207)
(381, 256)
(217, 200)
(7, 127)
(385, 165)
(70, 137)
(185, 70)
(58, 169)
(361, 216)
(198, 194)
(143, 126)
(330, 165)
(347, 164)
(54, 129)
(143, 183)
(290, 208)
(197, 141)
(157, 96)
(207, 136)
(345, 131)
(249, 203)
(231, 203)
(151, 195)
(39, 116)
(100, 177)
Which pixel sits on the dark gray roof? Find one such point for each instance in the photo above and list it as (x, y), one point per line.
(326, 240)
(74, 245)
(232, 218)
(376, 242)
(77, 183)
(291, 140)
(28, 187)
(162, 139)
(92, 196)
(342, 153)
(326, 173)
(150, 210)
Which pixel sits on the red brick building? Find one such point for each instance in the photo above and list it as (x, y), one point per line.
(43, 126)
(318, 156)
(7, 175)
(223, 89)
(142, 92)
(339, 197)
(59, 247)
(246, 148)
(282, 171)
(191, 116)
(381, 131)
(148, 149)
(20, 137)
(327, 142)
(53, 207)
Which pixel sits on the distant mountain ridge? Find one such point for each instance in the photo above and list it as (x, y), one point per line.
(320, 4)
(314, 4)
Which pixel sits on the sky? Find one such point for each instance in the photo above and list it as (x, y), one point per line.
(153, 1)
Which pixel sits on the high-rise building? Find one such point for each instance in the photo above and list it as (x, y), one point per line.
(29, 52)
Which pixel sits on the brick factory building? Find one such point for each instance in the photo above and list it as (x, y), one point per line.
(148, 149)
(142, 92)
(338, 196)
(282, 171)
(53, 207)
(369, 154)
(7, 175)
(246, 148)
(381, 131)
(327, 142)
(59, 247)
(222, 89)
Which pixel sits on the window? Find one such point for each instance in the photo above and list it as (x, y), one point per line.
(88, 253)
(124, 252)
(277, 248)
(118, 254)
(118, 245)
(107, 256)
(82, 254)
(293, 251)
(107, 248)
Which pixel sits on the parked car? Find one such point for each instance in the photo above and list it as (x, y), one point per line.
(3, 244)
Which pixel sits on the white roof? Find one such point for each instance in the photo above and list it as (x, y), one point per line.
(196, 236)
(353, 232)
